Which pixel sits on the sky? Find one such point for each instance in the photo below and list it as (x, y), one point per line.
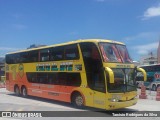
(46, 22)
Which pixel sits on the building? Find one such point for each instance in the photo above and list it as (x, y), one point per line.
(136, 63)
(149, 59)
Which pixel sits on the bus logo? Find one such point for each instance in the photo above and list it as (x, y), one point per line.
(13, 68)
(21, 70)
(157, 75)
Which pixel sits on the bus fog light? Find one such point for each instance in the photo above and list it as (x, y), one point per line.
(114, 100)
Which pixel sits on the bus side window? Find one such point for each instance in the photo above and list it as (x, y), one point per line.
(9, 59)
(42, 78)
(33, 56)
(57, 53)
(95, 53)
(62, 78)
(24, 56)
(73, 79)
(32, 77)
(52, 78)
(17, 58)
(44, 55)
(139, 76)
(93, 66)
(71, 52)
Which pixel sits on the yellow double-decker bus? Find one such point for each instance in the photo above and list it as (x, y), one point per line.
(93, 72)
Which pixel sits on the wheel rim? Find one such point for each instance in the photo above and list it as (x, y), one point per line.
(79, 101)
(154, 88)
(24, 92)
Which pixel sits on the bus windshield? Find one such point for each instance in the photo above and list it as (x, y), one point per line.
(115, 53)
(124, 80)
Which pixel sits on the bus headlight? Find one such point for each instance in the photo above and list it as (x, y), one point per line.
(114, 99)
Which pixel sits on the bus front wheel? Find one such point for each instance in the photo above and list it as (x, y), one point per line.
(77, 100)
(24, 92)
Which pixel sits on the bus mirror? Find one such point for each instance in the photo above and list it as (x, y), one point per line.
(111, 74)
(144, 73)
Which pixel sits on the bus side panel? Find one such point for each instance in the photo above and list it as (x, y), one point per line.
(10, 83)
(50, 91)
(64, 93)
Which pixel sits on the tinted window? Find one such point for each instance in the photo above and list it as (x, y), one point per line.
(73, 79)
(44, 55)
(24, 57)
(17, 58)
(151, 68)
(32, 77)
(42, 78)
(9, 59)
(52, 78)
(62, 77)
(57, 53)
(68, 52)
(33, 56)
(13, 59)
(93, 66)
(71, 52)
(66, 79)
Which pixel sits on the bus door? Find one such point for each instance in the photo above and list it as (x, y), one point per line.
(94, 74)
(99, 91)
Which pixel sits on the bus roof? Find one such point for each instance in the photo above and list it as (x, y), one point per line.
(67, 43)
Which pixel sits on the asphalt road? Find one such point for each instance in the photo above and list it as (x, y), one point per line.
(10, 102)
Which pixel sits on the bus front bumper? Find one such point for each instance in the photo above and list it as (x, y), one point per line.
(118, 105)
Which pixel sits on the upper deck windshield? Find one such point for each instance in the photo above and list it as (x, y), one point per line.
(115, 53)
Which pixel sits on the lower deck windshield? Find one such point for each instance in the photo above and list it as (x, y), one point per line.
(123, 80)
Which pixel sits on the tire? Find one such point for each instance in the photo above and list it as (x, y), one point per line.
(158, 86)
(77, 100)
(24, 92)
(154, 87)
(138, 85)
(17, 91)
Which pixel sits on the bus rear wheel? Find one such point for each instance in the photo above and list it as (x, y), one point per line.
(16, 90)
(77, 100)
(158, 86)
(154, 87)
(24, 92)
